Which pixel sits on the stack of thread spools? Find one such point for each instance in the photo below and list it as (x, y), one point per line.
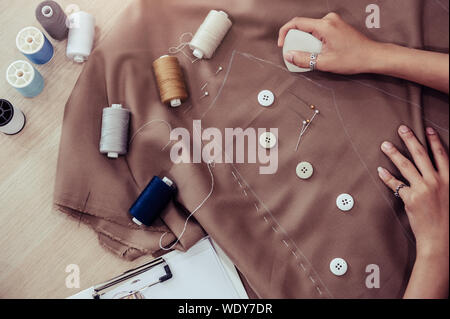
(79, 28)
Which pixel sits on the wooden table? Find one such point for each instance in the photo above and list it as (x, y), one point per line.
(37, 243)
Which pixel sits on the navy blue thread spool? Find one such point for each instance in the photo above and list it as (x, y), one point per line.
(152, 201)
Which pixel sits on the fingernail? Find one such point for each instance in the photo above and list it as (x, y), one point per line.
(387, 145)
(289, 57)
(383, 172)
(431, 131)
(404, 129)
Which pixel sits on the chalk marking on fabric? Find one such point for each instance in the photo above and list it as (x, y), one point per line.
(303, 267)
(295, 255)
(234, 175)
(265, 219)
(285, 243)
(256, 206)
(245, 193)
(312, 279)
(240, 185)
(319, 290)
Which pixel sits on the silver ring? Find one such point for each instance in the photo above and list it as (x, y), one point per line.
(313, 61)
(397, 190)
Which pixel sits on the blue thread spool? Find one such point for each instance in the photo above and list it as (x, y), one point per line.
(152, 201)
(22, 76)
(33, 44)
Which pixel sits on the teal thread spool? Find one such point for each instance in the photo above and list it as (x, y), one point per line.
(33, 44)
(22, 76)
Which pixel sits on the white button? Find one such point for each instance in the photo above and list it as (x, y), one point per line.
(267, 140)
(304, 170)
(345, 202)
(266, 98)
(338, 266)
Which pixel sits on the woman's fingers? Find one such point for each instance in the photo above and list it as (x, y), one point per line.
(304, 24)
(406, 168)
(440, 155)
(392, 182)
(417, 151)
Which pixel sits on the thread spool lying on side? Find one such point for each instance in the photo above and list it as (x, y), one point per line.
(152, 201)
(33, 44)
(12, 119)
(210, 34)
(114, 136)
(53, 19)
(81, 36)
(170, 80)
(25, 78)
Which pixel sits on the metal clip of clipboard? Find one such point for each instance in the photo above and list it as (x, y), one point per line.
(101, 289)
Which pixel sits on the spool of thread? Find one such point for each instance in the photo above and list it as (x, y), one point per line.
(152, 201)
(170, 80)
(12, 119)
(33, 44)
(81, 36)
(210, 34)
(114, 136)
(22, 76)
(53, 19)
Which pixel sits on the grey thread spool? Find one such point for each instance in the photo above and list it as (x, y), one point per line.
(114, 136)
(12, 119)
(53, 19)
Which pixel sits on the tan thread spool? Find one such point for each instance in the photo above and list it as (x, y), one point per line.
(170, 80)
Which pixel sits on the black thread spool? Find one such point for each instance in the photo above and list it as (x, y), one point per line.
(12, 119)
(53, 19)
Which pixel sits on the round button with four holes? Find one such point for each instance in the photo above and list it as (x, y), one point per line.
(304, 170)
(345, 202)
(267, 140)
(266, 98)
(338, 266)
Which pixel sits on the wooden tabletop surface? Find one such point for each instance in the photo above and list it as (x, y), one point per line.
(38, 243)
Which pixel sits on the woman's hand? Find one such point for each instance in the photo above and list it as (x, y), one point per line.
(426, 202)
(345, 50)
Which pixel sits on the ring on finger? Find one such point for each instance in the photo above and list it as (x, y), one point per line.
(397, 190)
(313, 61)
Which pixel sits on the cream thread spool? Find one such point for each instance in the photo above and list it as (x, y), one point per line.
(12, 120)
(170, 80)
(81, 36)
(114, 135)
(210, 34)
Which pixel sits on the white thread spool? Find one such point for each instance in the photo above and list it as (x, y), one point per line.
(81, 36)
(12, 119)
(114, 136)
(210, 34)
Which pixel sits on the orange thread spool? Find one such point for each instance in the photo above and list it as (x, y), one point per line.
(170, 80)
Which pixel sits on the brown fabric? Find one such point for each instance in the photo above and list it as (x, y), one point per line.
(281, 232)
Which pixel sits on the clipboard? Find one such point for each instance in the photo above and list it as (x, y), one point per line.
(202, 272)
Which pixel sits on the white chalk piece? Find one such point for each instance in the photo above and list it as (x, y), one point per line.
(210, 34)
(81, 36)
(12, 119)
(114, 135)
(297, 40)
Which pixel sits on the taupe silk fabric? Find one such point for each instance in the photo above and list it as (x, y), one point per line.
(280, 231)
